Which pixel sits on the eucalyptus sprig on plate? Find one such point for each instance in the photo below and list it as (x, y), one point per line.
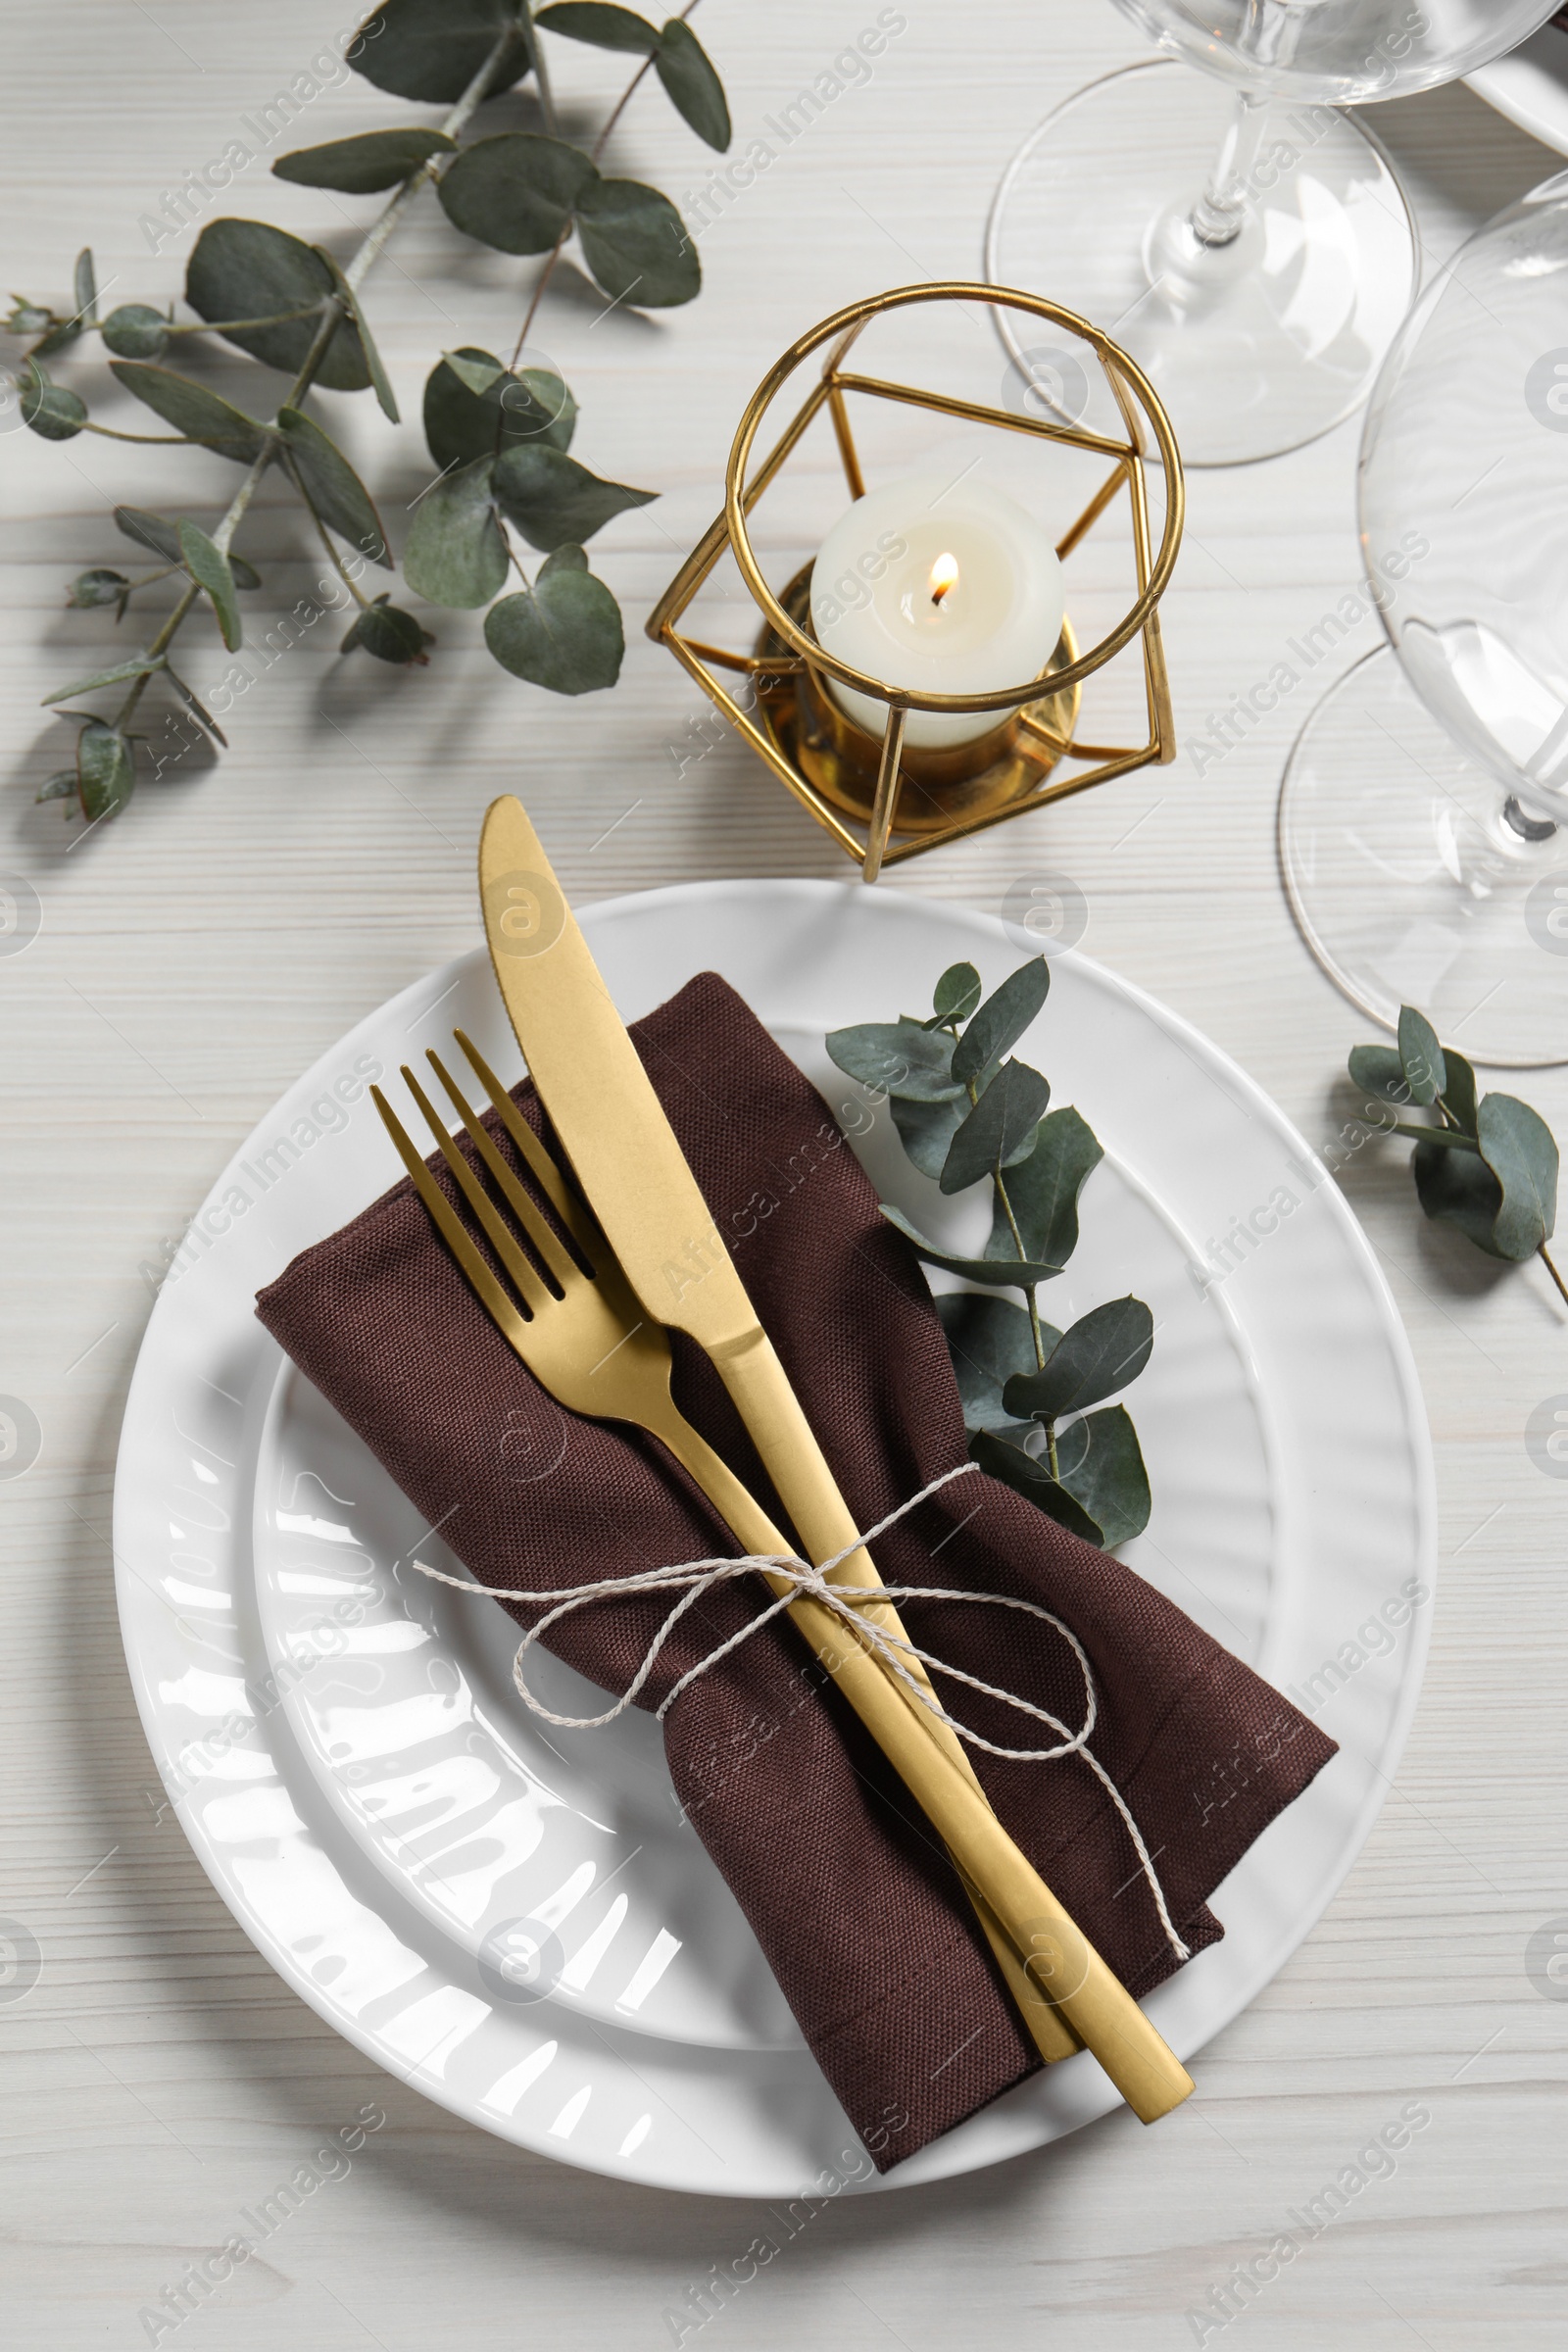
(1486, 1163)
(968, 1113)
(498, 429)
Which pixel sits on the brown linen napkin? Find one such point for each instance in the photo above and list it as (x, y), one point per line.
(851, 1895)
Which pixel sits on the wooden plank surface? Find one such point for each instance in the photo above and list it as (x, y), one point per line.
(194, 957)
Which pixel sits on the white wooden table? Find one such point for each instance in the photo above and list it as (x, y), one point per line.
(157, 2079)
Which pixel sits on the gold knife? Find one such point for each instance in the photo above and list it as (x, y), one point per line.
(625, 1154)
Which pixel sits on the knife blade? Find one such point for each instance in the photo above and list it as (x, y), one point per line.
(625, 1155)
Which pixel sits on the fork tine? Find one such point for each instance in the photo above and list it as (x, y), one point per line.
(545, 1169)
(557, 1260)
(522, 1275)
(490, 1293)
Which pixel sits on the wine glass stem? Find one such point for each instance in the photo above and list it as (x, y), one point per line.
(1220, 212)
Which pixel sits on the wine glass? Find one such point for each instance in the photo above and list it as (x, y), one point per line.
(1249, 243)
(1424, 816)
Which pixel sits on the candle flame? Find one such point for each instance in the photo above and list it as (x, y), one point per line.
(944, 577)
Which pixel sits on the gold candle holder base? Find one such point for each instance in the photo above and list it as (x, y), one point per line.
(908, 800)
(955, 784)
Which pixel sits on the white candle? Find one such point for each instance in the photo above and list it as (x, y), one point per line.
(949, 588)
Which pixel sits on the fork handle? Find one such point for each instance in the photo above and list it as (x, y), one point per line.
(869, 1695)
(1095, 2004)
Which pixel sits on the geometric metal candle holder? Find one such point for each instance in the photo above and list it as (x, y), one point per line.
(882, 801)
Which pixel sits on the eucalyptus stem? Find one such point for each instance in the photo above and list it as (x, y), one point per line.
(333, 556)
(151, 440)
(541, 72)
(1026, 1289)
(1546, 1260)
(333, 314)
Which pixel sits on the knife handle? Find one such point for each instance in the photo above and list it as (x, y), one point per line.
(1095, 2003)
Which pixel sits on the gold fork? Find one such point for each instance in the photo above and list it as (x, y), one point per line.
(585, 1339)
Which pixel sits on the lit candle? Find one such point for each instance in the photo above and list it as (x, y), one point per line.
(949, 588)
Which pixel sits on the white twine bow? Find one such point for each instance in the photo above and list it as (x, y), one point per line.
(695, 1579)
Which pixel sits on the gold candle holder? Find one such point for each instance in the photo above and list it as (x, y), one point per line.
(882, 799)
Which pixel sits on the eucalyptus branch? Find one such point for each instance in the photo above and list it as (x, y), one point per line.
(1490, 1165)
(962, 1107)
(498, 437)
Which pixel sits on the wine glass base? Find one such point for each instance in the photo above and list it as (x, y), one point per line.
(1254, 347)
(1411, 886)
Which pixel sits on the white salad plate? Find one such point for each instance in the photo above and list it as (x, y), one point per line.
(524, 1928)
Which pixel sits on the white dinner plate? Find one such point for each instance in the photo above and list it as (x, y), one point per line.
(525, 1929)
(1530, 85)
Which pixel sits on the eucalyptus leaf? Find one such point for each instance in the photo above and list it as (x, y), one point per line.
(207, 566)
(193, 410)
(1457, 1187)
(478, 371)
(47, 409)
(1001, 1019)
(332, 486)
(1420, 1056)
(606, 28)
(385, 631)
(1379, 1071)
(364, 166)
(635, 243)
(136, 331)
(63, 785)
(87, 289)
(563, 633)
(926, 1130)
(1011, 1274)
(196, 708)
(990, 1341)
(1103, 1351)
(691, 84)
(1518, 1148)
(955, 994)
(456, 554)
(105, 771)
(1000, 1129)
(516, 191)
(1100, 1463)
(99, 586)
(1459, 1091)
(432, 49)
(554, 500)
(1031, 1478)
(902, 1058)
(248, 269)
(163, 538)
(468, 395)
(120, 673)
(1044, 1191)
(385, 399)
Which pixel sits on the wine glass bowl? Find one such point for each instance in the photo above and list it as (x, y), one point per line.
(1466, 443)
(1338, 52)
(1424, 816)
